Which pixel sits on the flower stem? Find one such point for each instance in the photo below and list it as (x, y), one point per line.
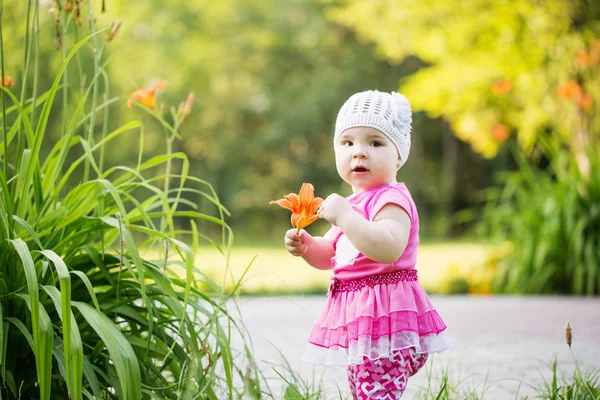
(3, 98)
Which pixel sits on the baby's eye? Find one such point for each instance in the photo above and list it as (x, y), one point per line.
(346, 143)
(375, 143)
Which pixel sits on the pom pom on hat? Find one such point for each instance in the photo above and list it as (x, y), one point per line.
(389, 113)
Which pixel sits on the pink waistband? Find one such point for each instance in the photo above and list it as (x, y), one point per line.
(381, 279)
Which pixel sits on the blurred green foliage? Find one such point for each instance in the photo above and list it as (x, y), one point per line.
(552, 216)
(525, 73)
(269, 78)
(84, 313)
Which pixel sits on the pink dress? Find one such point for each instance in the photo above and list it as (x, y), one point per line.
(374, 309)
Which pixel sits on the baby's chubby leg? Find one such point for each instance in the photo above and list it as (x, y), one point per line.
(385, 378)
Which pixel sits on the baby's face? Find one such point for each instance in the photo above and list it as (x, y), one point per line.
(366, 158)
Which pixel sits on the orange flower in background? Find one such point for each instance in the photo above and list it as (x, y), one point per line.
(500, 133)
(302, 205)
(147, 96)
(583, 59)
(570, 90)
(595, 52)
(8, 82)
(502, 87)
(586, 102)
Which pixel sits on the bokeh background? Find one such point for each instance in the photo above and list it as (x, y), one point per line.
(504, 159)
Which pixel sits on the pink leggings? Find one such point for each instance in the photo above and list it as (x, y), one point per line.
(385, 378)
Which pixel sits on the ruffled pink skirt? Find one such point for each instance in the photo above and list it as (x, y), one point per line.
(375, 321)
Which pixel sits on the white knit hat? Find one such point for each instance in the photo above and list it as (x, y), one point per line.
(387, 112)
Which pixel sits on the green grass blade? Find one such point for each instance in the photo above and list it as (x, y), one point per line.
(4, 344)
(22, 115)
(32, 289)
(101, 143)
(43, 121)
(120, 350)
(24, 331)
(43, 348)
(77, 204)
(90, 288)
(6, 206)
(164, 123)
(29, 230)
(65, 312)
(91, 378)
(57, 157)
(74, 354)
(132, 250)
(2, 353)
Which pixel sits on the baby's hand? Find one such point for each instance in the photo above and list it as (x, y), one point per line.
(296, 244)
(333, 208)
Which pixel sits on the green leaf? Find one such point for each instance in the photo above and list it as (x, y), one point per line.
(29, 230)
(88, 285)
(72, 345)
(121, 352)
(43, 348)
(30, 166)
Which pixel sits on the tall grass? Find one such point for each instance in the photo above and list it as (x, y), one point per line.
(551, 215)
(82, 313)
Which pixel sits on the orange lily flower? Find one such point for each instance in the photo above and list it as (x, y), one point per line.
(586, 102)
(302, 205)
(570, 90)
(500, 133)
(502, 87)
(147, 96)
(583, 59)
(595, 52)
(8, 81)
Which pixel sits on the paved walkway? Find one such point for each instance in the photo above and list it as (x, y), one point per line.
(500, 341)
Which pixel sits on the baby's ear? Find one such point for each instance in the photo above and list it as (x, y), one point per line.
(398, 163)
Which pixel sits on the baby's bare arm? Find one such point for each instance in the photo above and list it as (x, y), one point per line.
(316, 251)
(383, 239)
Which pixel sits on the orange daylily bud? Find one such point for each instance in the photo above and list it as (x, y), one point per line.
(302, 205)
(114, 30)
(500, 133)
(502, 87)
(187, 106)
(77, 13)
(570, 90)
(586, 102)
(147, 96)
(57, 38)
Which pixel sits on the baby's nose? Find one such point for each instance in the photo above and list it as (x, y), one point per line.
(359, 152)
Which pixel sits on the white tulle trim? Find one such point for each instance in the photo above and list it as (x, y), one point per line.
(377, 348)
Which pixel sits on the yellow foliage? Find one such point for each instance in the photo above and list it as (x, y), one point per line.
(532, 47)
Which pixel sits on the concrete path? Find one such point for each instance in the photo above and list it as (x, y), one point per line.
(504, 345)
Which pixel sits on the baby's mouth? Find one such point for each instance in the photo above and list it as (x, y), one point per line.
(359, 168)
